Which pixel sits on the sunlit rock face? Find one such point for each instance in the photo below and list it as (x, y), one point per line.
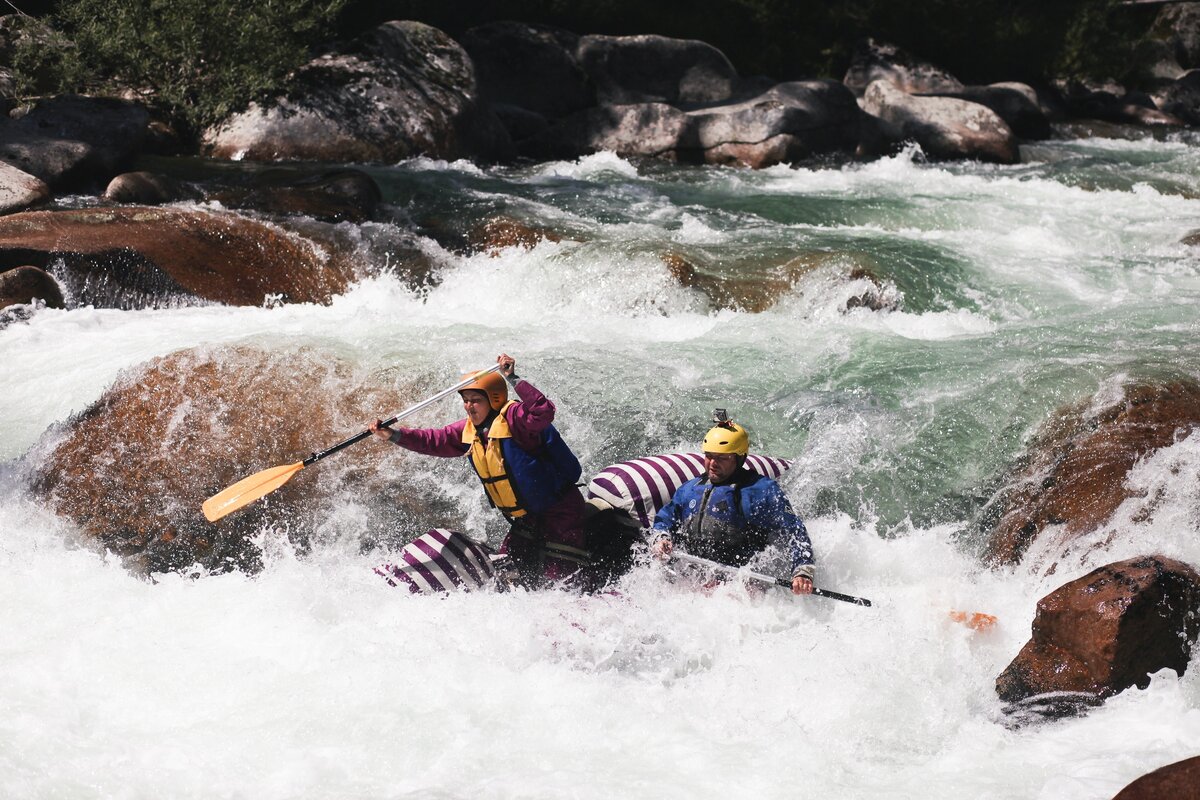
(136, 257)
(1108, 630)
(132, 470)
(1178, 781)
(1074, 475)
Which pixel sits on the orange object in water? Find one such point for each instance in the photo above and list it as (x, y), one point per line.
(975, 620)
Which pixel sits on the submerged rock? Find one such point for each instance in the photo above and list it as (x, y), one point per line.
(1107, 631)
(133, 469)
(133, 257)
(22, 285)
(400, 90)
(1075, 473)
(499, 233)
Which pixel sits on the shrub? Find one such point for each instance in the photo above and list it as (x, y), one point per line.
(198, 59)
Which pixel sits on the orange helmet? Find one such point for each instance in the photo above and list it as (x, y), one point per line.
(490, 384)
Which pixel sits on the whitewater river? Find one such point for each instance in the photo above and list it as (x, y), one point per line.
(1010, 291)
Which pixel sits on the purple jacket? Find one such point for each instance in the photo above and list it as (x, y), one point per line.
(526, 419)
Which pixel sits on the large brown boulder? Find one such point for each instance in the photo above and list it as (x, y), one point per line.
(1015, 103)
(1075, 473)
(400, 90)
(19, 190)
(132, 470)
(1108, 630)
(946, 128)
(1178, 781)
(133, 257)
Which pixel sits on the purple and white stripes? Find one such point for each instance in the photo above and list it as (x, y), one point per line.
(439, 561)
(641, 486)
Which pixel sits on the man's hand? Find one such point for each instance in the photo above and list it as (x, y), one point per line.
(662, 548)
(377, 428)
(507, 364)
(801, 585)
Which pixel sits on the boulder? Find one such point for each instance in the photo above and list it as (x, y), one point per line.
(1107, 631)
(72, 142)
(145, 188)
(19, 190)
(874, 61)
(1178, 24)
(1181, 98)
(1075, 473)
(132, 470)
(1178, 781)
(499, 233)
(788, 122)
(532, 67)
(1111, 102)
(945, 128)
(336, 195)
(23, 285)
(135, 256)
(1015, 103)
(400, 90)
(655, 69)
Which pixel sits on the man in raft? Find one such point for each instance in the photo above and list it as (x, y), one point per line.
(528, 472)
(730, 512)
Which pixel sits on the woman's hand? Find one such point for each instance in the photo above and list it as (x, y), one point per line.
(377, 428)
(507, 364)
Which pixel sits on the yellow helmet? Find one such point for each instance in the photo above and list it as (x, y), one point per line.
(727, 437)
(490, 384)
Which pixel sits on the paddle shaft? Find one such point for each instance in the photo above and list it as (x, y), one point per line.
(358, 437)
(758, 576)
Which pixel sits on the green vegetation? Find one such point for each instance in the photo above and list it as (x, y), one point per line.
(199, 59)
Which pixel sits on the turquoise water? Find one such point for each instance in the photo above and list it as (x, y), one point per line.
(1011, 292)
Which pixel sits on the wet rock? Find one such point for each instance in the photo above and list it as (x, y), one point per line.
(134, 257)
(1111, 102)
(1108, 630)
(144, 188)
(401, 90)
(656, 69)
(1075, 474)
(501, 232)
(788, 122)
(1015, 103)
(23, 285)
(334, 196)
(873, 61)
(758, 288)
(19, 190)
(945, 128)
(132, 470)
(72, 142)
(1181, 98)
(1178, 781)
(531, 67)
(1178, 25)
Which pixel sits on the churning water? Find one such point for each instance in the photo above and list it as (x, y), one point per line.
(1006, 292)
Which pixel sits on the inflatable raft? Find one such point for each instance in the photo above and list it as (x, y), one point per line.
(622, 500)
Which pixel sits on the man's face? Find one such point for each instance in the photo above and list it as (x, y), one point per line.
(719, 467)
(476, 404)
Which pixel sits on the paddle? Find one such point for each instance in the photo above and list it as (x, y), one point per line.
(758, 576)
(261, 484)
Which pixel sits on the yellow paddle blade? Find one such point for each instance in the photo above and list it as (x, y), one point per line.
(247, 490)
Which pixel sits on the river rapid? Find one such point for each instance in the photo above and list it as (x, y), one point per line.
(1010, 292)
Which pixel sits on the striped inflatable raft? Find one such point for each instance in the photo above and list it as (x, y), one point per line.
(628, 494)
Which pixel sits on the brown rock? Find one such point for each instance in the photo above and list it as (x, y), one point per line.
(757, 288)
(1108, 630)
(501, 232)
(22, 285)
(143, 188)
(133, 469)
(1076, 471)
(1178, 781)
(138, 256)
(944, 127)
(20, 190)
